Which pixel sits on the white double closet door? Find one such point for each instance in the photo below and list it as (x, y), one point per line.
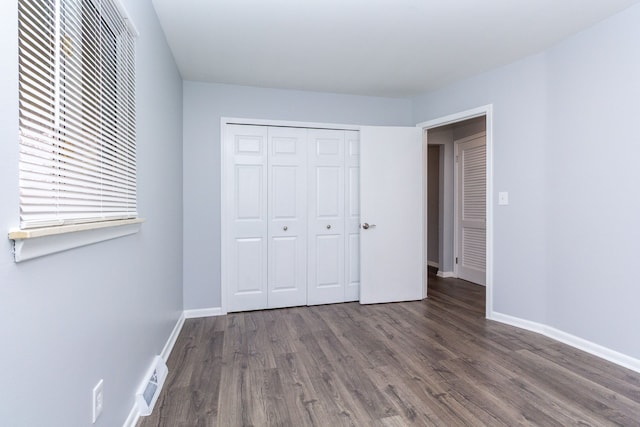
(293, 211)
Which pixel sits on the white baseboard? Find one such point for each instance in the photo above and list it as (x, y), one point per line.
(134, 415)
(433, 264)
(517, 322)
(572, 340)
(166, 350)
(203, 312)
(446, 274)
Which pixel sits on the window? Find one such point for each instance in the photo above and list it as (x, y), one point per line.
(77, 113)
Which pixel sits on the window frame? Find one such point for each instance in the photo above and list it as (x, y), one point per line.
(44, 235)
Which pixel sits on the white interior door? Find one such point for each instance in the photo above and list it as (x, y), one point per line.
(391, 202)
(352, 212)
(287, 211)
(326, 217)
(472, 208)
(246, 151)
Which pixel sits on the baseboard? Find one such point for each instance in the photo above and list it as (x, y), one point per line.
(517, 322)
(433, 264)
(203, 312)
(580, 343)
(595, 349)
(134, 415)
(445, 274)
(171, 341)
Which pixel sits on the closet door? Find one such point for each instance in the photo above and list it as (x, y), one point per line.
(287, 212)
(326, 220)
(352, 200)
(246, 178)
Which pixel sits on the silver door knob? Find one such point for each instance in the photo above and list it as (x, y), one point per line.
(285, 228)
(366, 226)
(328, 226)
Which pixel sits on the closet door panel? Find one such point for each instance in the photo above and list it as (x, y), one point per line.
(326, 221)
(249, 256)
(287, 211)
(284, 267)
(248, 194)
(246, 178)
(285, 180)
(328, 181)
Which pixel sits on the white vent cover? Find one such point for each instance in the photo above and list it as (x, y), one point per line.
(151, 386)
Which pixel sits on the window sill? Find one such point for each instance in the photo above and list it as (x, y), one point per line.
(29, 244)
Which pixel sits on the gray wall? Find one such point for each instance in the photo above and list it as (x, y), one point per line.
(518, 95)
(593, 207)
(204, 105)
(565, 147)
(101, 311)
(443, 137)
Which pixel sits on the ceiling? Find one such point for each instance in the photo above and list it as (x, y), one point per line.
(394, 48)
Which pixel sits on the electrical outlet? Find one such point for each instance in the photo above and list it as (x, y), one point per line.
(98, 400)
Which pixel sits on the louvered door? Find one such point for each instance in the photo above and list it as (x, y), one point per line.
(472, 228)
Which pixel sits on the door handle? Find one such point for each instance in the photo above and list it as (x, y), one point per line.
(366, 226)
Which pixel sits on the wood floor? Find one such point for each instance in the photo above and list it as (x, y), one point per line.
(436, 362)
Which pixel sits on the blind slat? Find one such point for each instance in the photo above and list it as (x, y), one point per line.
(77, 112)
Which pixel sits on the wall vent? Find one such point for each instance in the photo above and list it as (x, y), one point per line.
(152, 384)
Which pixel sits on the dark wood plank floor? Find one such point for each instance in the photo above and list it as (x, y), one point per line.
(436, 362)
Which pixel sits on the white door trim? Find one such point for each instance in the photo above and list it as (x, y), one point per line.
(286, 123)
(487, 111)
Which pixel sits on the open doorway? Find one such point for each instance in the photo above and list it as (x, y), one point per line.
(456, 200)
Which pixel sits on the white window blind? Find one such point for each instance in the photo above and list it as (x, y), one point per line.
(77, 113)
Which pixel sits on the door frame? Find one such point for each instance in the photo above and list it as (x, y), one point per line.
(487, 111)
(226, 199)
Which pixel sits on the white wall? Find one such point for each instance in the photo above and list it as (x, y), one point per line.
(204, 105)
(565, 147)
(102, 311)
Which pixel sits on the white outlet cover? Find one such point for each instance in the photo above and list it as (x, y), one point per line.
(503, 198)
(97, 400)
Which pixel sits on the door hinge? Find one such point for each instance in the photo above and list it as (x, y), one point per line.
(456, 159)
(456, 260)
